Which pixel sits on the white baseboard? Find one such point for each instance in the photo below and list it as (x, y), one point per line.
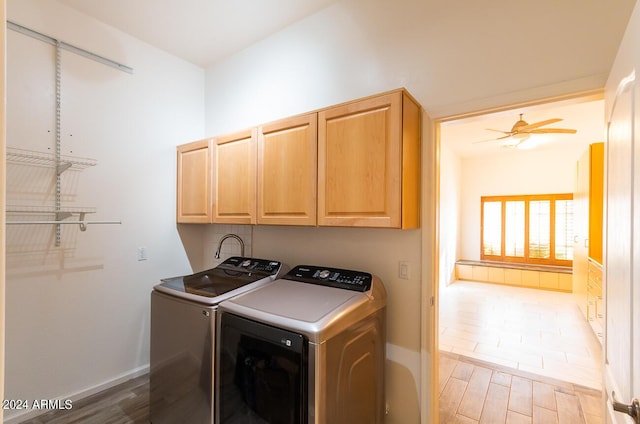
(32, 413)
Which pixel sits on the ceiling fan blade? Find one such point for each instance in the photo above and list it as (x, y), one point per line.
(492, 139)
(538, 124)
(508, 133)
(484, 141)
(553, 130)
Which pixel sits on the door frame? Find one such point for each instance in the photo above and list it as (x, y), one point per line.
(2, 194)
(430, 357)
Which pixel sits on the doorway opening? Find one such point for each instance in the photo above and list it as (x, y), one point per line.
(499, 316)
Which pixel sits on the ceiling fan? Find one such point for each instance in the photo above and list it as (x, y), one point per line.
(522, 130)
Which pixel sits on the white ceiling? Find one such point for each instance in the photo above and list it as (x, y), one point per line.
(463, 55)
(199, 31)
(470, 137)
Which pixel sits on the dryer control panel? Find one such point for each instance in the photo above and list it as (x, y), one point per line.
(332, 277)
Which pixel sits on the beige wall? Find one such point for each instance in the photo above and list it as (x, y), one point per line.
(376, 251)
(305, 67)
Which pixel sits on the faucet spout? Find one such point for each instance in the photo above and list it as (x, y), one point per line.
(217, 255)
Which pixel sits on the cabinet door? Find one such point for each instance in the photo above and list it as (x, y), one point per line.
(581, 232)
(194, 183)
(234, 170)
(360, 163)
(596, 200)
(287, 161)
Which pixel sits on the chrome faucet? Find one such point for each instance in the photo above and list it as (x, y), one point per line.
(217, 255)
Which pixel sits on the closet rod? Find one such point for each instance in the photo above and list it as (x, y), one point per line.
(61, 222)
(83, 224)
(66, 46)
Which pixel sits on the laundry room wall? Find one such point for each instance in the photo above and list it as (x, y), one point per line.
(302, 68)
(77, 316)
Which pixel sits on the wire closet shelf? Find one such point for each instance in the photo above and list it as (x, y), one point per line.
(56, 159)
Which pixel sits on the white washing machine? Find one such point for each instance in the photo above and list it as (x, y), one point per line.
(183, 324)
(306, 348)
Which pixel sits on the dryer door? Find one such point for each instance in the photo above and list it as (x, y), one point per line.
(262, 373)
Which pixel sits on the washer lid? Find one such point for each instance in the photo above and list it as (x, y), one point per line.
(224, 280)
(295, 300)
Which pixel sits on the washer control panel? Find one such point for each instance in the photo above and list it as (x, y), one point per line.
(266, 266)
(332, 277)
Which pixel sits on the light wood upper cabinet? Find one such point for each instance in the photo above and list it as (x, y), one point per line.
(287, 171)
(194, 182)
(355, 164)
(234, 176)
(596, 201)
(588, 219)
(369, 163)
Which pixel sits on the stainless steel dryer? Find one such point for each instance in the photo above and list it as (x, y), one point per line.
(183, 323)
(306, 348)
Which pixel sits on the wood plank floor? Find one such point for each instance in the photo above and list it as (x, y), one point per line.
(123, 404)
(474, 391)
(471, 392)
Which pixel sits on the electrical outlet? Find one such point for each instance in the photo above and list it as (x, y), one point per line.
(142, 254)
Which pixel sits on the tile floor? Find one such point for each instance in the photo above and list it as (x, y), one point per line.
(478, 392)
(536, 331)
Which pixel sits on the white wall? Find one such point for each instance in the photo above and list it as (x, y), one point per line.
(450, 213)
(304, 67)
(336, 55)
(519, 172)
(78, 316)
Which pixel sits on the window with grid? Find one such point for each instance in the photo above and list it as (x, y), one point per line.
(533, 229)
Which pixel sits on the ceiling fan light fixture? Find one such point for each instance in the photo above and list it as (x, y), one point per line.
(522, 131)
(527, 146)
(515, 140)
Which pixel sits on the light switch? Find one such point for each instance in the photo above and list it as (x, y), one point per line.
(403, 270)
(142, 254)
